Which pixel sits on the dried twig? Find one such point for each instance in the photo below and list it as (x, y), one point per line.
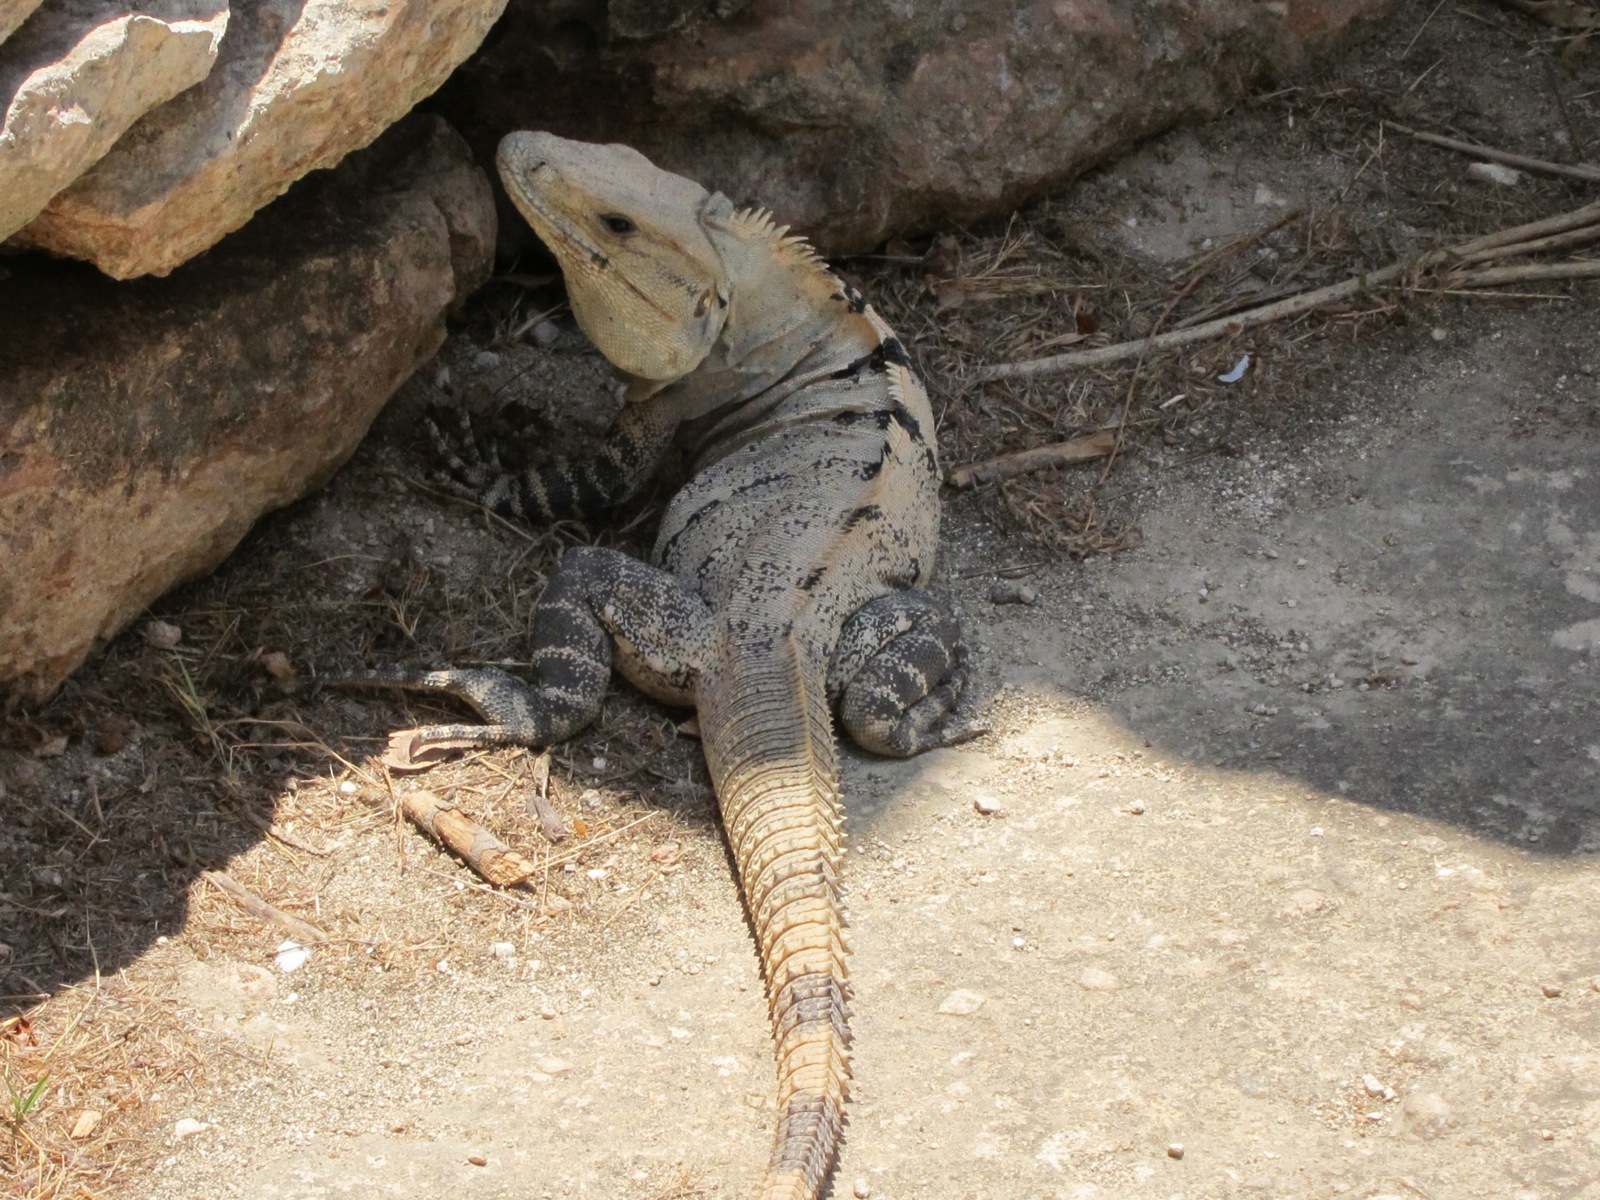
(273, 830)
(259, 908)
(1587, 268)
(1489, 153)
(1304, 302)
(1096, 445)
(483, 852)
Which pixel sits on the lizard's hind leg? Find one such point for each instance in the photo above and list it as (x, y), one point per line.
(596, 599)
(898, 673)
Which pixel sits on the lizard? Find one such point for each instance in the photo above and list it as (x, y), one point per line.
(788, 573)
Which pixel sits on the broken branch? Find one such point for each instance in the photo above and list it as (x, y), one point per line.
(1007, 466)
(483, 852)
(1489, 153)
(1304, 302)
(1588, 268)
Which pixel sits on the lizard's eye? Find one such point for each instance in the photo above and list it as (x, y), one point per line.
(618, 224)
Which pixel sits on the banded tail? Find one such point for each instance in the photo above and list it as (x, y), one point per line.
(769, 743)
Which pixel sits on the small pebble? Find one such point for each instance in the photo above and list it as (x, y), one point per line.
(1372, 1086)
(277, 664)
(477, 1160)
(1009, 591)
(1497, 173)
(988, 805)
(545, 333)
(1175, 1150)
(1548, 1135)
(485, 360)
(1551, 990)
(1440, 333)
(347, 788)
(862, 1189)
(1096, 979)
(1135, 809)
(162, 635)
(503, 950)
(188, 1127)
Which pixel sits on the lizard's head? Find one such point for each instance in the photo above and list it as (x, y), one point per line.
(641, 273)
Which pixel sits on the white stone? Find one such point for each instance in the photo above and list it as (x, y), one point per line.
(298, 85)
(78, 76)
(1497, 173)
(961, 1003)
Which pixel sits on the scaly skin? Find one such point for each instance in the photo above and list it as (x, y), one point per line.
(787, 566)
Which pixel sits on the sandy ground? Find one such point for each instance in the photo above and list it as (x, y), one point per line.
(1297, 805)
(1276, 878)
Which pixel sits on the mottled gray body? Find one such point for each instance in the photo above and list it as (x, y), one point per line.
(788, 570)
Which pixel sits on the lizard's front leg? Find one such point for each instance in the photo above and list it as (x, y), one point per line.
(562, 489)
(600, 606)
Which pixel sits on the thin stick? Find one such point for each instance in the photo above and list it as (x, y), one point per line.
(1556, 241)
(1096, 445)
(1588, 268)
(1578, 217)
(487, 890)
(1420, 28)
(577, 851)
(629, 902)
(259, 908)
(1575, 171)
(1292, 306)
(273, 830)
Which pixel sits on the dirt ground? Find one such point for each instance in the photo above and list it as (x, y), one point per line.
(1277, 876)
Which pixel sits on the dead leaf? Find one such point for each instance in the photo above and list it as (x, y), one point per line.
(18, 1030)
(87, 1120)
(405, 755)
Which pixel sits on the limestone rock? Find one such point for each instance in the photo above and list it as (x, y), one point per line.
(144, 426)
(79, 75)
(853, 120)
(12, 14)
(299, 84)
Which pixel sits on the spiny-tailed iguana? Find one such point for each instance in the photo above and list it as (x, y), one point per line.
(789, 566)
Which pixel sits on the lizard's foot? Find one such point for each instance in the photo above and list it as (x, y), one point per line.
(899, 673)
(455, 441)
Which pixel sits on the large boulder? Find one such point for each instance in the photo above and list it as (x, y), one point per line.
(144, 426)
(13, 13)
(298, 85)
(854, 120)
(78, 75)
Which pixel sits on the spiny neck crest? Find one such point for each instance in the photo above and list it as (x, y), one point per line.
(758, 224)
